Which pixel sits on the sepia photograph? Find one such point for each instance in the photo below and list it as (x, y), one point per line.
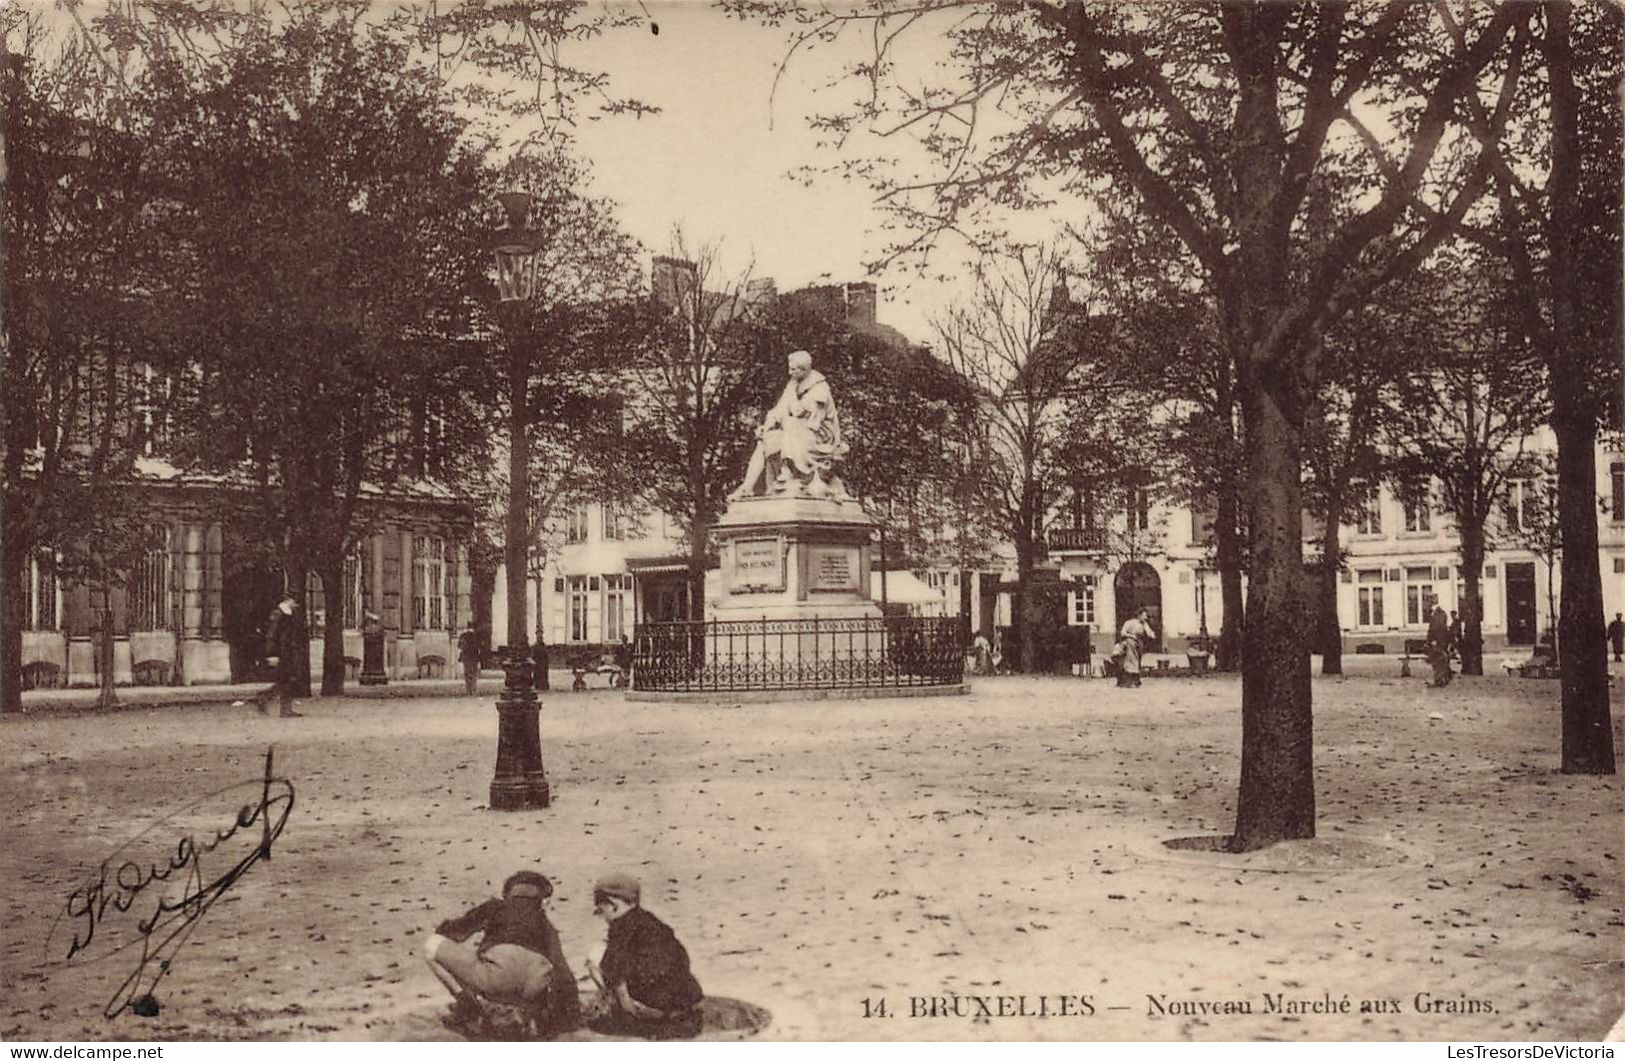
(777, 521)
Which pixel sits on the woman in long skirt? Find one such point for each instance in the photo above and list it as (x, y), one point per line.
(1134, 632)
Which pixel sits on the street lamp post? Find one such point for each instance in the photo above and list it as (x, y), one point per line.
(520, 780)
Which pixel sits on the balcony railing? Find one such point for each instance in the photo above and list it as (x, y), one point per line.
(1077, 540)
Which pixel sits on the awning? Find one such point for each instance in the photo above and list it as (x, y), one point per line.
(654, 565)
(903, 588)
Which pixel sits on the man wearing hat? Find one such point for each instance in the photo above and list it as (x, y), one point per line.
(518, 961)
(644, 983)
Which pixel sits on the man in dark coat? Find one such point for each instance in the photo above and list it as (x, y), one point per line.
(644, 983)
(1438, 647)
(469, 654)
(518, 961)
(284, 640)
(1616, 635)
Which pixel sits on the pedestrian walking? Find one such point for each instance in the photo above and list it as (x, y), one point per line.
(1438, 647)
(1616, 635)
(1458, 631)
(1130, 644)
(284, 640)
(470, 655)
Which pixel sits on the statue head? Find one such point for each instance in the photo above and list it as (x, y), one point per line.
(800, 364)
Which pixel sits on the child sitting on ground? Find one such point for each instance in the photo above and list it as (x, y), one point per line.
(518, 961)
(644, 983)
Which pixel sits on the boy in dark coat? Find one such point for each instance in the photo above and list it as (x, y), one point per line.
(644, 983)
(518, 961)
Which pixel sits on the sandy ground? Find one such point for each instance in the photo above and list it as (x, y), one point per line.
(1003, 853)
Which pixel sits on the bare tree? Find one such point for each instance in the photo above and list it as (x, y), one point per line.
(691, 388)
(1218, 118)
(1465, 413)
(1558, 185)
(1018, 344)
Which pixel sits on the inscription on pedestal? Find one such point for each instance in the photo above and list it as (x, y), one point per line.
(758, 566)
(833, 567)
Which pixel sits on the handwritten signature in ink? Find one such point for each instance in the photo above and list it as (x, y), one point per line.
(121, 880)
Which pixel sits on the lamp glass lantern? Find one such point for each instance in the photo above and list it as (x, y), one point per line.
(516, 250)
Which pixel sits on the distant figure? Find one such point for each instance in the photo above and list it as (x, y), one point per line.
(1616, 635)
(518, 961)
(1129, 640)
(468, 653)
(982, 653)
(644, 983)
(1438, 647)
(284, 640)
(1457, 631)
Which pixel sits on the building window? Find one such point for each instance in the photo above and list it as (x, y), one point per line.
(1419, 514)
(617, 606)
(1370, 594)
(355, 589)
(151, 391)
(575, 526)
(1420, 596)
(1616, 487)
(40, 595)
(578, 608)
(149, 587)
(429, 584)
(1139, 509)
(614, 523)
(1082, 604)
(1519, 493)
(1368, 518)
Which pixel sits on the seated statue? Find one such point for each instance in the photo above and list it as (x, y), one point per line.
(799, 440)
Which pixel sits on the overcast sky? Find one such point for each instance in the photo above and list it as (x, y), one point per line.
(717, 156)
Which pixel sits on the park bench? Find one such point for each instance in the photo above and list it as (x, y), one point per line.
(150, 672)
(582, 666)
(1541, 664)
(42, 674)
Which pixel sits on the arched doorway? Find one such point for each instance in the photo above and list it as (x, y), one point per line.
(1138, 586)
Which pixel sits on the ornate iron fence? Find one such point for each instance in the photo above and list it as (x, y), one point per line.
(774, 654)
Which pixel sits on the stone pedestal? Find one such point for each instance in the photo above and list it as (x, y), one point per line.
(793, 558)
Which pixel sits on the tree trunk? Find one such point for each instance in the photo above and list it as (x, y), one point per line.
(333, 593)
(516, 550)
(966, 581)
(1228, 557)
(699, 527)
(13, 570)
(1331, 559)
(1277, 798)
(1020, 615)
(1472, 605)
(107, 698)
(884, 598)
(482, 588)
(1588, 737)
(538, 648)
(697, 542)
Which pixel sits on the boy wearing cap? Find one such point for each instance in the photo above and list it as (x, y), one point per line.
(644, 982)
(518, 961)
